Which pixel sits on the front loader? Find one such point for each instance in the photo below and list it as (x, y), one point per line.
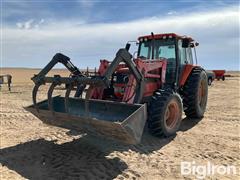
(155, 87)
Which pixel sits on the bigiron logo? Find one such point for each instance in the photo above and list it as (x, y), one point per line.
(201, 171)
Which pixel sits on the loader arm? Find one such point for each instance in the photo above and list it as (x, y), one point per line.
(124, 56)
(58, 58)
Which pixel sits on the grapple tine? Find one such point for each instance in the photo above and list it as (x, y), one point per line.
(66, 99)
(50, 91)
(88, 95)
(34, 96)
(79, 91)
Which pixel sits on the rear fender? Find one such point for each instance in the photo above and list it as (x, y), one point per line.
(186, 72)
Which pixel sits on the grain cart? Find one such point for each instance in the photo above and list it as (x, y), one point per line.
(156, 86)
(219, 74)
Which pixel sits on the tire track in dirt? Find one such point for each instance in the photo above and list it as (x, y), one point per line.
(16, 119)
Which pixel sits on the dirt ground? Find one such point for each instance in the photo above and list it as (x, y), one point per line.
(30, 149)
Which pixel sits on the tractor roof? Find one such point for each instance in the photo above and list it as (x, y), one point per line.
(167, 35)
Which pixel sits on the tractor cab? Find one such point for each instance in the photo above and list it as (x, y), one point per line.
(175, 49)
(153, 49)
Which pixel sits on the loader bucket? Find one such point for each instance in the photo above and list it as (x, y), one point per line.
(119, 121)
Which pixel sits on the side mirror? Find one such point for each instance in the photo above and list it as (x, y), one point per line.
(185, 43)
(194, 44)
(127, 47)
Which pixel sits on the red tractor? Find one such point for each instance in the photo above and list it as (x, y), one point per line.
(157, 86)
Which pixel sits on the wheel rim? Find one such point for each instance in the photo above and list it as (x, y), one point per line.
(201, 94)
(171, 116)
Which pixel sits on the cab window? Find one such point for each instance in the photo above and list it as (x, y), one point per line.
(145, 50)
(182, 53)
(185, 54)
(189, 55)
(163, 48)
(165, 51)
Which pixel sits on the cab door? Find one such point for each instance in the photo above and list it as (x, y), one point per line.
(185, 57)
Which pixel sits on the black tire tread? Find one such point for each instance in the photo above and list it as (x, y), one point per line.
(156, 109)
(189, 93)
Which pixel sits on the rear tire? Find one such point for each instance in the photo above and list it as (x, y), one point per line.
(165, 113)
(195, 94)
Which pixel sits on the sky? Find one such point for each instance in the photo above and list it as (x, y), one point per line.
(87, 31)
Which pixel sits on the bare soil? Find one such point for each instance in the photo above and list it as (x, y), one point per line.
(30, 149)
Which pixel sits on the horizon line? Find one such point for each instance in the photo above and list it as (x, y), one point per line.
(92, 68)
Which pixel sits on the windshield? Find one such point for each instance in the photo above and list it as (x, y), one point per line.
(163, 48)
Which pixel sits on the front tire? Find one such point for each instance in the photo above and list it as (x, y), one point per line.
(165, 113)
(195, 94)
